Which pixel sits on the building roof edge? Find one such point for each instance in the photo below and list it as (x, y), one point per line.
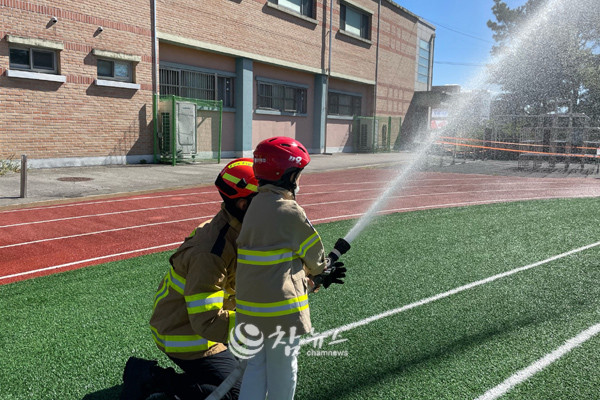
(412, 14)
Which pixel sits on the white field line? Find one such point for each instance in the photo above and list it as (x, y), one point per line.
(104, 231)
(89, 260)
(109, 213)
(459, 204)
(526, 373)
(84, 203)
(440, 296)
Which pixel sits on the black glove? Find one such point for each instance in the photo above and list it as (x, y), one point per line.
(333, 274)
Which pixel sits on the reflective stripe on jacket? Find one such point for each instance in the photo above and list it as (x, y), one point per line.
(194, 304)
(275, 246)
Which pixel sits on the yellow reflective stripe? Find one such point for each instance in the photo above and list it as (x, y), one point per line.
(308, 243)
(163, 291)
(181, 343)
(176, 281)
(235, 181)
(231, 324)
(271, 257)
(275, 309)
(203, 302)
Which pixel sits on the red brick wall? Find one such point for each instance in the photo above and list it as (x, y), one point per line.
(77, 118)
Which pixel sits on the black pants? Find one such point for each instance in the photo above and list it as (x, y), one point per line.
(203, 375)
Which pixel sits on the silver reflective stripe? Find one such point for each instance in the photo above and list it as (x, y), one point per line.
(175, 343)
(176, 281)
(204, 302)
(273, 258)
(269, 310)
(312, 240)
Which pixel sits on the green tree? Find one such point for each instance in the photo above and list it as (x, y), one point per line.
(547, 56)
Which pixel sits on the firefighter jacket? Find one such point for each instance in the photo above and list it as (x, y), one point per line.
(193, 308)
(276, 243)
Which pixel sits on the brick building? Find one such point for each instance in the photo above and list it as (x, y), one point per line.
(77, 77)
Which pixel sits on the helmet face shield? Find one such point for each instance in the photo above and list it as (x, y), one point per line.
(237, 179)
(274, 156)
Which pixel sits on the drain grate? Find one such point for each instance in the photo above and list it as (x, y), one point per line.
(73, 179)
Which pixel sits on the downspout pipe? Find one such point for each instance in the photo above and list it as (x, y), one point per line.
(154, 79)
(430, 81)
(376, 76)
(328, 77)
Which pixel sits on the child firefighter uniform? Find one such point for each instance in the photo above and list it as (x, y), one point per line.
(195, 302)
(277, 248)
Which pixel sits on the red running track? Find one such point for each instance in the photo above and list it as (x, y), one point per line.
(42, 240)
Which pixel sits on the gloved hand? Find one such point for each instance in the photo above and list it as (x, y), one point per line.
(333, 274)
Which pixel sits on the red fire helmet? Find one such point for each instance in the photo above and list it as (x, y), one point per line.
(237, 179)
(274, 156)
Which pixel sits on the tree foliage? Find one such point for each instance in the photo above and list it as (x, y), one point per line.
(547, 56)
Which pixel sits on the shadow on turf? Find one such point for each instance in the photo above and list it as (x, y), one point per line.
(111, 393)
(369, 376)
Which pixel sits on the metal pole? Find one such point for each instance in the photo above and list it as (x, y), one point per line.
(24, 176)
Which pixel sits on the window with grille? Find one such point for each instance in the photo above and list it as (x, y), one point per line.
(196, 85)
(423, 62)
(355, 21)
(32, 59)
(343, 104)
(281, 97)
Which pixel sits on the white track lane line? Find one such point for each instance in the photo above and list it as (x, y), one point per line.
(219, 201)
(447, 205)
(109, 213)
(104, 231)
(304, 205)
(149, 197)
(526, 373)
(86, 203)
(389, 313)
(162, 246)
(504, 189)
(401, 196)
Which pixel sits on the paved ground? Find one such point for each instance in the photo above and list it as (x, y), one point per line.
(55, 184)
(58, 184)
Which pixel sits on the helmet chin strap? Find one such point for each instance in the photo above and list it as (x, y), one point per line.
(288, 181)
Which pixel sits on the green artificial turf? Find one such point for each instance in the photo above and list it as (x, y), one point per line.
(67, 336)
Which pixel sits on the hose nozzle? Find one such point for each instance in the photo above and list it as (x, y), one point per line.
(340, 248)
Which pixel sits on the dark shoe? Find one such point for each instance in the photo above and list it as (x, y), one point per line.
(137, 379)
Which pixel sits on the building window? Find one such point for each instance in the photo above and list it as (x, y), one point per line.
(197, 85)
(281, 97)
(304, 7)
(32, 59)
(355, 21)
(115, 70)
(423, 62)
(344, 104)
